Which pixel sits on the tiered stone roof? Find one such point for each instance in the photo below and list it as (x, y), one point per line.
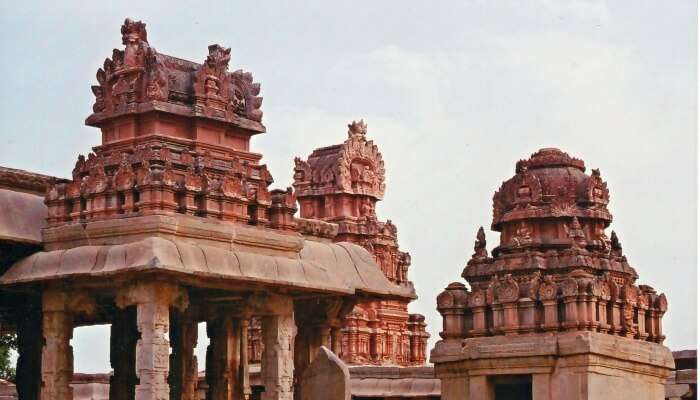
(339, 186)
(555, 268)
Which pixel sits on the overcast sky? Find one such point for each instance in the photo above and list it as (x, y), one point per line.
(453, 95)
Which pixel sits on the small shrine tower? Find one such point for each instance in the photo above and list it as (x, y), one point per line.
(341, 184)
(554, 311)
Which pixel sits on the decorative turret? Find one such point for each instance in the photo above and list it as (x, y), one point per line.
(175, 139)
(340, 185)
(340, 181)
(555, 268)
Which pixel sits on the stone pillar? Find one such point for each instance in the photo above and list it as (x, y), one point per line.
(526, 315)
(336, 340)
(510, 318)
(325, 332)
(243, 390)
(183, 362)
(220, 332)
(479, 322)
(278, 357)
(582, 311)
(641, 321)
(29, 348)
(571, 313)
(57, 353)
(122, 354)
(615, 316)
(604, 326)
(152, 301)
(592, 306)
(235, 361)
(551, 318)
(152, 350)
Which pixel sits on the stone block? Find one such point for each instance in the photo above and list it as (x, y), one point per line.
(327, 377)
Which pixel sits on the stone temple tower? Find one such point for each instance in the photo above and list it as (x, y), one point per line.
(554, 312)
(341, 185)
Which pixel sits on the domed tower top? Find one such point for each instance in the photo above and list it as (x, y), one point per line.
(343, 180)
(551, 184)
(555, 268)
(551, 207)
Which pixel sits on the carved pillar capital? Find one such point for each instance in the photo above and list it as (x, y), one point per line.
(152, 292)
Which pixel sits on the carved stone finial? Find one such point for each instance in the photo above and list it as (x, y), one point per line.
(357, 129)
(133, 32)
(218, 56)
(480, 244)
(615, 244)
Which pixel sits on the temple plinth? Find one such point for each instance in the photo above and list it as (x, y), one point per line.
(554, 310)
(340, 186)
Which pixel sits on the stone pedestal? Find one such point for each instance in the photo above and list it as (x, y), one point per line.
(567, 365)
(278, 357)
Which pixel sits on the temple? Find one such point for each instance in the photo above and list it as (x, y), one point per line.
(341, 184)
(172, 222)
(554, 311)
(168, 223)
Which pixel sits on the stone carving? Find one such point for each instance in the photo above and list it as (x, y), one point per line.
(535, 191)
(575, 233)
(547, 289)
(522, 235)
(340, 185)
(357, 167)
(140, 74)
(124, 177)
(480, 251)
(302, 170)
(594, 191)
(555, 268)
(615, 245)
(182, 180)
(507, 289)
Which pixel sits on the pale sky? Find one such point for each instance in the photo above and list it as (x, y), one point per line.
(454, 93)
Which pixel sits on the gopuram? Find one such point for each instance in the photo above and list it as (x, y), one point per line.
(554, 311)
(170, 222)
(341, 184)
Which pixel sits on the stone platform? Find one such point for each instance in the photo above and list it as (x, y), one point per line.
(563, 365)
